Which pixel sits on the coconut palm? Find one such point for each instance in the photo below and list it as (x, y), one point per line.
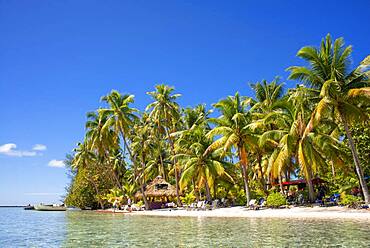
(99, 136)
(141, 146)
(121, 116)
(232, 127)
(102, 139)
(199, 166)
(165, 113)
(342, 91)
(266, 94)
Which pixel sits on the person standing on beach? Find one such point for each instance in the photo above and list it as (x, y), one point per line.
(115, 205)
(129, 204)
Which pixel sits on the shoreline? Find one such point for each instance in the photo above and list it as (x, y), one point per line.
(339, 213)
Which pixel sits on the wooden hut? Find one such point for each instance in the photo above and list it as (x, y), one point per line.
(158, 193)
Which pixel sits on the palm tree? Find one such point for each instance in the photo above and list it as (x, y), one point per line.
(198, 165)
(141, 146)
(121, 116)
(102, 140)
(165, 113)
(308, 150)
(267, 95)
(232, 126)
(342, 91)
(99, 136)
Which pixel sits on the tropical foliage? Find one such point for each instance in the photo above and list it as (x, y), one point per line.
(241, 148)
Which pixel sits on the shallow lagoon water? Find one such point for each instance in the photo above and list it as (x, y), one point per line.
(19, 228)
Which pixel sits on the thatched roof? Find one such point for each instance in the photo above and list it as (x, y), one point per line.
(157, 188)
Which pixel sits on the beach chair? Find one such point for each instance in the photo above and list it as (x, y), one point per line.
(262, 202)
(253, 204)
(171, 205)
(192, 206)
(214, 204)
(200, 205)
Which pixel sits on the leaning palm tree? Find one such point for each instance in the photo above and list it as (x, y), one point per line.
(165, 113)
(343, 92)
(232, 127)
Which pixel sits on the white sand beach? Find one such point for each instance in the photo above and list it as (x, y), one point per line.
(238, 212)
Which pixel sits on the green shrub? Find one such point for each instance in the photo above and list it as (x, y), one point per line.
(350, 200)
(188, 199)
(275, 200)
(257, 194)
(140, 204)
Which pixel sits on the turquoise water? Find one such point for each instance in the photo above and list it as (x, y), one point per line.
(19, 228)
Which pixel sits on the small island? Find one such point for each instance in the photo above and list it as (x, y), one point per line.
(299, 152)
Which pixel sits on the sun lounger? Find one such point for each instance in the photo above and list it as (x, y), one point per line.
(200, 205)
(170, 205)
(214, 204)
(253, 204)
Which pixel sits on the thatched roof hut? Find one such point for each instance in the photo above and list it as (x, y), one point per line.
(158, 188)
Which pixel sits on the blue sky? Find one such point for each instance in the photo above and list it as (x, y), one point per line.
(57, 58)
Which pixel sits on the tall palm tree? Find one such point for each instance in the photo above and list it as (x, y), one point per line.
(122, 116)
(165, 112)
(141, 146)
(232, 127)
(267, 94)
(342, 91)
(295, 147)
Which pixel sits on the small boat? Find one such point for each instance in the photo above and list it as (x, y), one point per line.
(73, 209)
(29, 207)
(42, 207)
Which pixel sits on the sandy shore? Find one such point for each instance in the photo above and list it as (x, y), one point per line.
(242, 212)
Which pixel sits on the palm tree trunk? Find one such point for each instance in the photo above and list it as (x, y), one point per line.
(243, 163)
(308, 176)
(332, 169)
(208, 192)
(143, 181)
(281, 183)
(359, 170)
(195, 190)
(214, 190)
(164, 175)
(177, 185)
(261, 173)
(175, 167)
(311, 192)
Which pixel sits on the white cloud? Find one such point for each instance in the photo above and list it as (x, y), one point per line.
(10, 149)
(56, 163)
(39, 147)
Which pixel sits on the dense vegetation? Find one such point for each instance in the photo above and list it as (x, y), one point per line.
(241, 147)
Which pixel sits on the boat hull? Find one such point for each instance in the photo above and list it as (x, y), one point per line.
(49, 208)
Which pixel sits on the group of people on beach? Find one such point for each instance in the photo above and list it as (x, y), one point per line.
(117, 205)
